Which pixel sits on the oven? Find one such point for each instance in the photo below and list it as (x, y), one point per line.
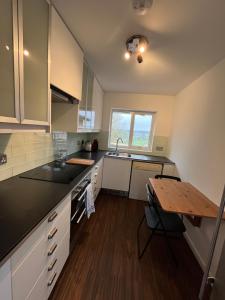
(78, 209)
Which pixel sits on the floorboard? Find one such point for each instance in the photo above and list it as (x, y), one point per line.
(104, 263)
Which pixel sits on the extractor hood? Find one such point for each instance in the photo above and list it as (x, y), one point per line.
(59, 96)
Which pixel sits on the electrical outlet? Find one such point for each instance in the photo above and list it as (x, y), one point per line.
(3, 159)
(159, 148)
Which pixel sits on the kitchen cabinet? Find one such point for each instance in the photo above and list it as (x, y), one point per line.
(97, 105)
(24, 79)
(116, 174)
(90, 107)
(9, 80)
(141, 172)
(37, 263)
(66, 58)
(85, 121)
(96, 178)
(33, 61)
(5, 281)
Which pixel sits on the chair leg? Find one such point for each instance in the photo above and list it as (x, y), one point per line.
(138, 230)
(141, 253)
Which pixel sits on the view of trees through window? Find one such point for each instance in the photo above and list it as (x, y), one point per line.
(133, 127)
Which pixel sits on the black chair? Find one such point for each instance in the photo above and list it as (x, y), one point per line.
(167, 177)
(159, 222)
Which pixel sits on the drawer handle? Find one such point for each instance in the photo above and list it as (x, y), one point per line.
(52, 217)
(52, 265)
(52, 233)
(52, 250)
(52, 280)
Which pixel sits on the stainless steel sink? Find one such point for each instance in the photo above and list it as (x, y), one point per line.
(118, 154)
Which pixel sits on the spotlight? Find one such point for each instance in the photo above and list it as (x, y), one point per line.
(127, 55)
(142, 49)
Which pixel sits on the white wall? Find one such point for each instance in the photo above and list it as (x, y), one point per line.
(163, 105)
(198, 147)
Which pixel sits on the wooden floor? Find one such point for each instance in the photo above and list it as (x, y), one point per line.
(104, 264)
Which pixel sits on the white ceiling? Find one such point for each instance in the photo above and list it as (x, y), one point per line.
(186, 39)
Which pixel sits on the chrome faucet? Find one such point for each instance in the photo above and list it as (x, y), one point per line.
(117, 141)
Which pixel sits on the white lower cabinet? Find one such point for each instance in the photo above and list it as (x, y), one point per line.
(38, 262)
(5, 281)
(96, 178)
(116, 174)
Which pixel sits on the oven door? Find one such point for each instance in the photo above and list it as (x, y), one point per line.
(78, 217)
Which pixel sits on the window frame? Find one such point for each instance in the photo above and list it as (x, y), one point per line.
(130, 147)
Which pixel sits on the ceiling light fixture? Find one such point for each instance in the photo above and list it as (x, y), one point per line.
(136, 45)
(141, 6)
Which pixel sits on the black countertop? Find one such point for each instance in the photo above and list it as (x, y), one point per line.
(24, 203)
(145, 158)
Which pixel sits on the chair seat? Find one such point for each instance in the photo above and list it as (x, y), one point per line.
(171, 221)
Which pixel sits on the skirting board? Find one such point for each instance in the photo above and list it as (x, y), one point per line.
(197, 255)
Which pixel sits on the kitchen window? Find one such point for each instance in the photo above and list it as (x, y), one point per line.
(134, 127)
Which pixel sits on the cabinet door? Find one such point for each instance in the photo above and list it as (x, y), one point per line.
(97, 105)
(66, 58)
(86, 118)
(9, 80)
(116, 174)
(83, 102)
(34, 61)
(89, 110)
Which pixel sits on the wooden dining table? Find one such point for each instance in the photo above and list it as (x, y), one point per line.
(183, 198)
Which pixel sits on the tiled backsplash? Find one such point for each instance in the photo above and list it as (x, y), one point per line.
(29, 150)
(159, 147)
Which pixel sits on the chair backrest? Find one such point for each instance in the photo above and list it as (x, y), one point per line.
(167, 177)
(150, 195)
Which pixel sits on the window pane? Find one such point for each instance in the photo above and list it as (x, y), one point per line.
(120, 127)
(142, 129)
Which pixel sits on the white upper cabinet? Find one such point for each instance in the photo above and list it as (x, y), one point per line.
(66, 58)
(9, 81)
(97, 104)
(90, 106)
(24, 65)
(33, 53)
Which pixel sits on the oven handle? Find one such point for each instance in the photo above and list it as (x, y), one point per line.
(74, 215)
(83, 212)
(80, 196)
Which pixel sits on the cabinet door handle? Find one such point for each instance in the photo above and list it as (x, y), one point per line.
(51, 266)
(52, 233)
(52, 250)
(52, 217)
(52, 279)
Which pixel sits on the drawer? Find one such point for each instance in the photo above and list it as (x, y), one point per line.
(54, 215)
(39, 291)
(28, 271)
(56, 230)
(55, 265)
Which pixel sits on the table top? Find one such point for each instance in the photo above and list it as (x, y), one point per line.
(183, 198)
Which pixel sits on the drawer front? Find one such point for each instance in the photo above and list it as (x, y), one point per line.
(57, 229)
(27, 273)
(55, 265)
(39, 291)
(54, 215)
